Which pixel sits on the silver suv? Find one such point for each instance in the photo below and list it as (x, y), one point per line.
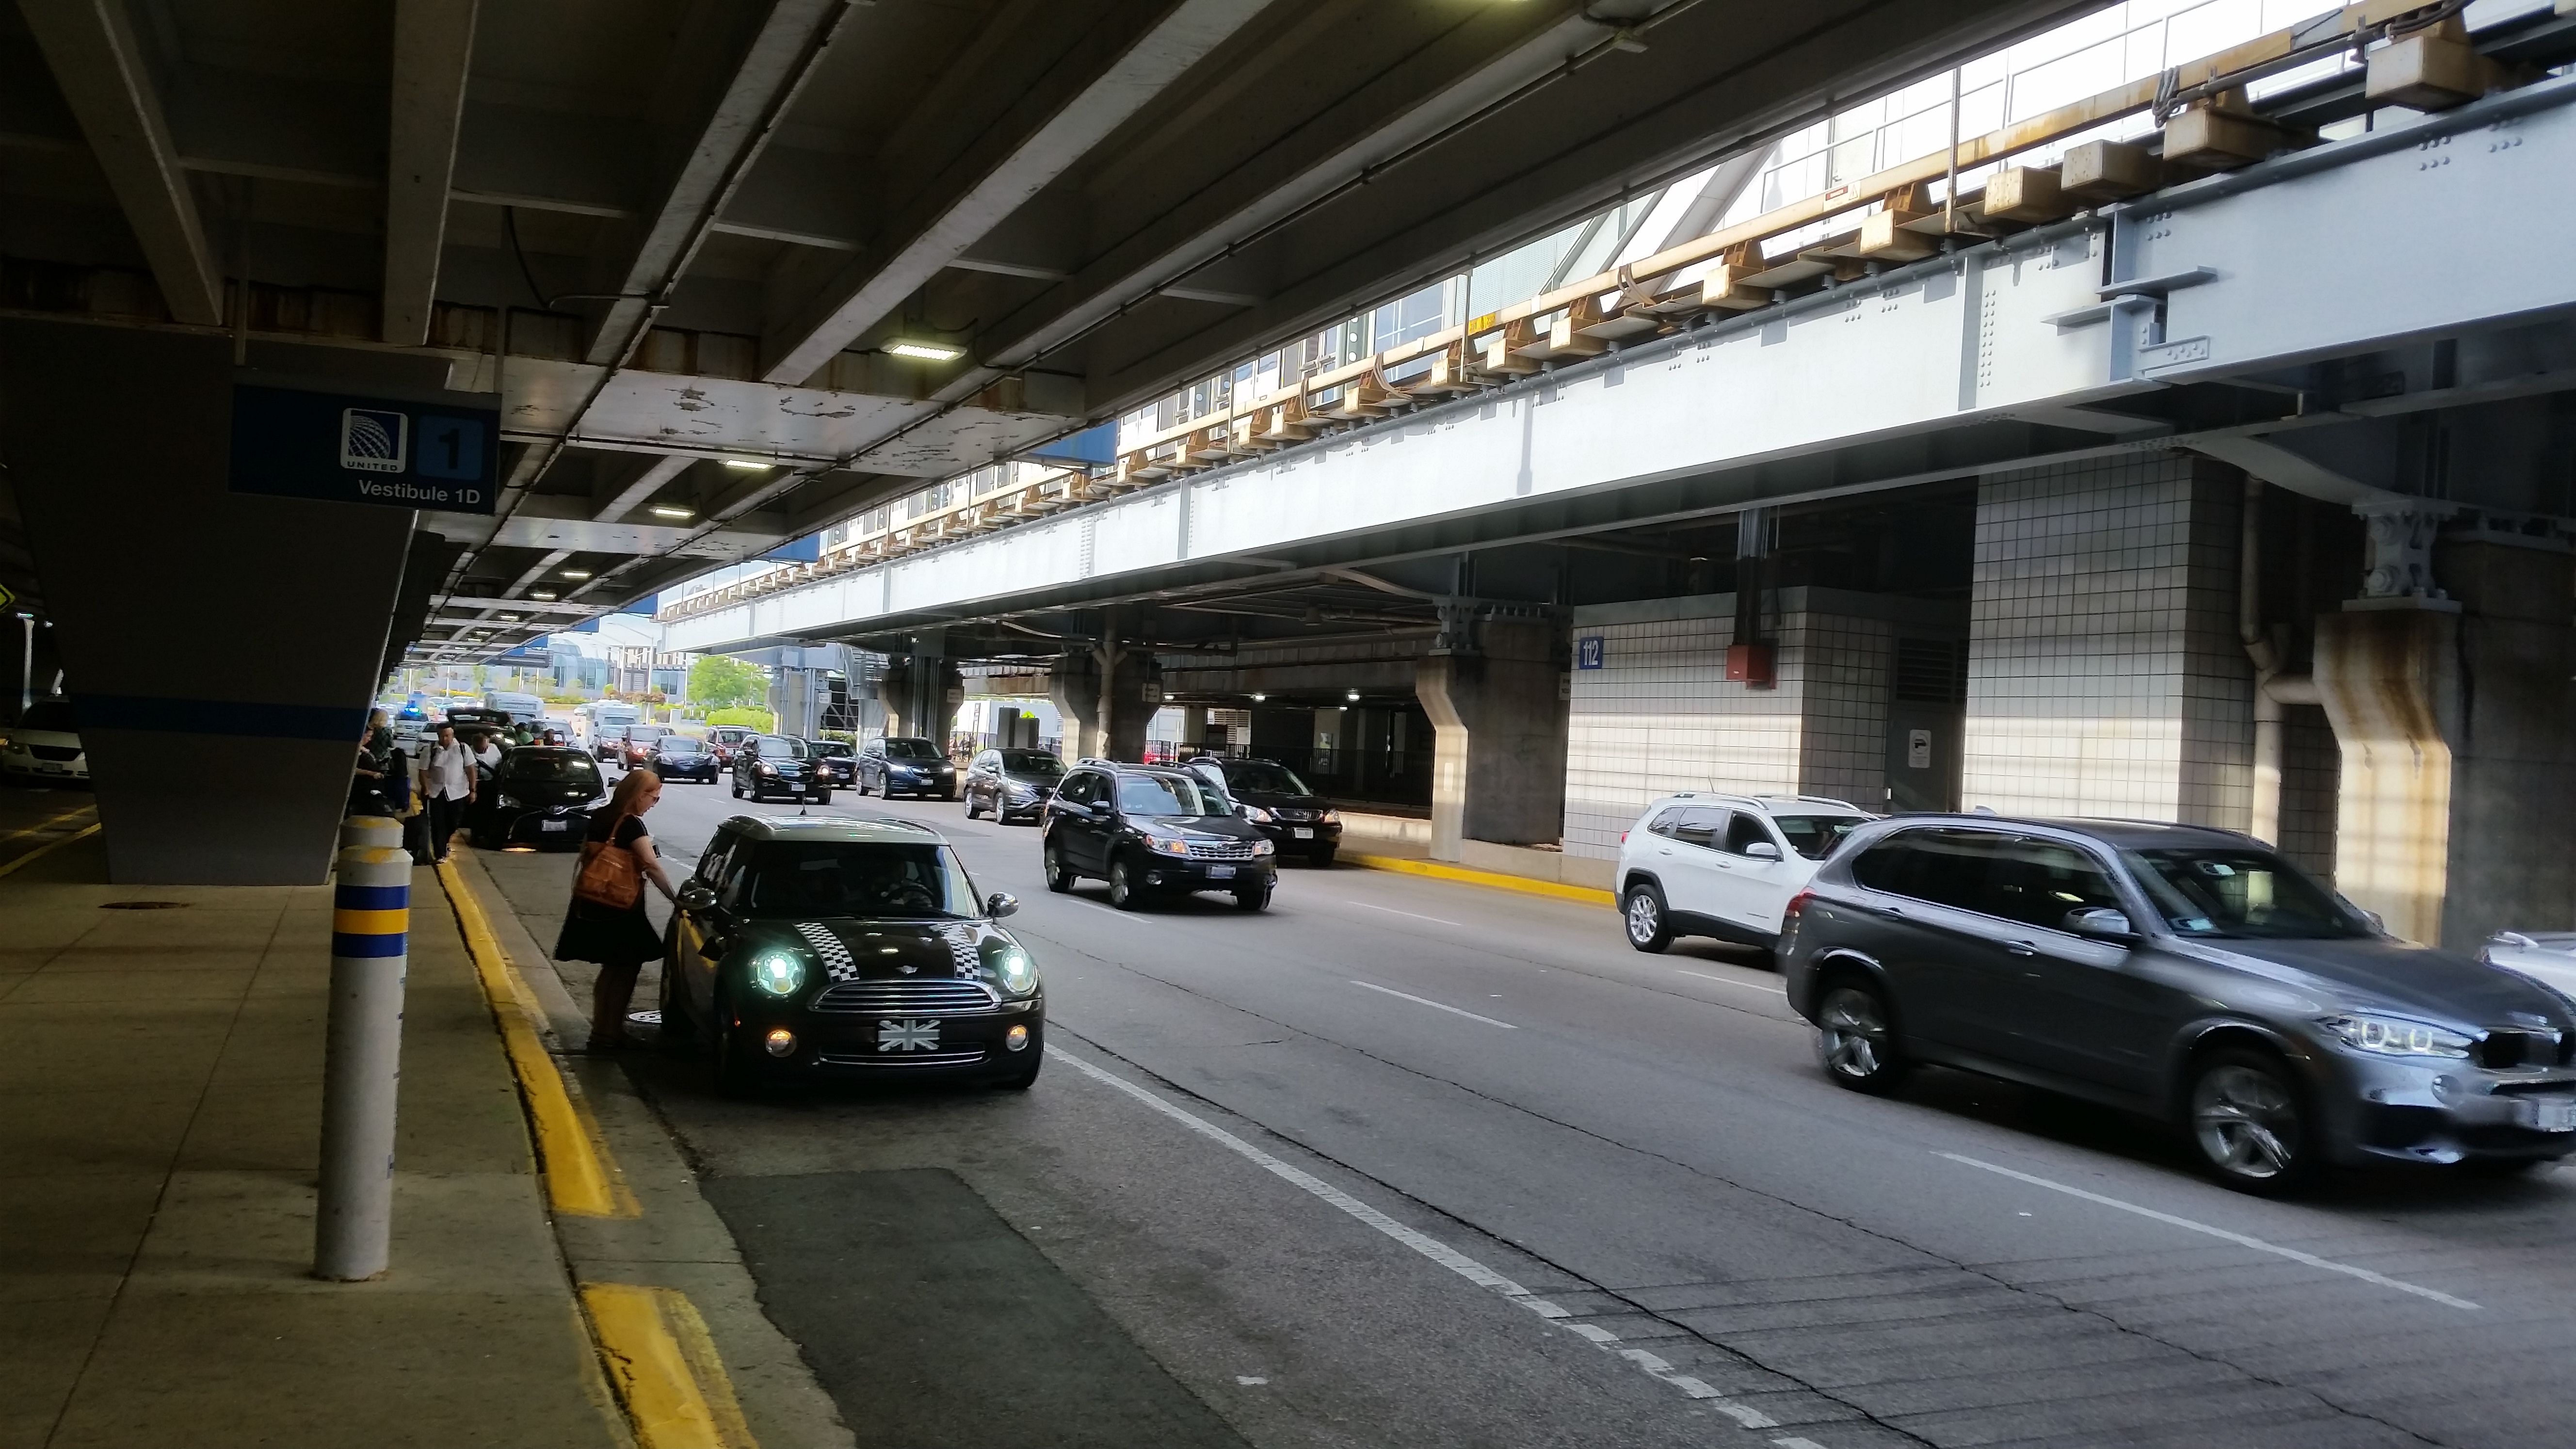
(1724, 865)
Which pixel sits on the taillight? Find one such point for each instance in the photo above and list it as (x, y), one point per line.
(1623, 837)
(1797, 903)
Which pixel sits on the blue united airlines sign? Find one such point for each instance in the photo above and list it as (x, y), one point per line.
(291, 443)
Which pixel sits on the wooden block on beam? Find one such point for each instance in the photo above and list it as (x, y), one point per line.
(2026, 193)
(2100, 171)
(1884, 238)
(2431, 70)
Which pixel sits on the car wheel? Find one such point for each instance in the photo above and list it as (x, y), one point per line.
(737, 789)
(971, 808)
(1648, 930)
(1854, 1039)
(735, 1073)
(677, 1029)
(822, 797)
(1059, 877)
(2251, 1122)
(1254, 898)
(948, 794)
(1321, 859)
(1124, 893)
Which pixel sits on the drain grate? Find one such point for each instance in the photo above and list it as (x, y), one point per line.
(143, 905)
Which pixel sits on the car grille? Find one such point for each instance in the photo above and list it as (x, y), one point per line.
(1296, 817)
(2519, 1049)
(57, 753)
(904, 998)
(1220, 850)
(966, 1058)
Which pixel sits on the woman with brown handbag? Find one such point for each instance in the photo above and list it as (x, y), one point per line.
(606, 921)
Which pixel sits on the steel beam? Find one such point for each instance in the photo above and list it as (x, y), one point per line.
(433, 48)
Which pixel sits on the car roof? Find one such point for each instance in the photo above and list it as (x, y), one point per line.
(1122, 767)
(854, 828)
(2135, 834)
(1767, 804)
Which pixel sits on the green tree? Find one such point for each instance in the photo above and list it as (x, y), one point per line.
(716, 682)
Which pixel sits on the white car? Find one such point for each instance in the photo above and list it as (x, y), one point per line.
(44, 747)
(2548, 957)
(1724, 865)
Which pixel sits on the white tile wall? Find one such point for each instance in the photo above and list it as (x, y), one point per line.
(2104, 672)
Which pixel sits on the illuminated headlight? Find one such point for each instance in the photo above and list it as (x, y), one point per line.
(2395, 1036)
(1019, 974)
(1019, 791)
(1329, 817)
(769, 769)
(1257, 815)
(1264, 847)
(508, 803)
(777, 972)
(1167, 845)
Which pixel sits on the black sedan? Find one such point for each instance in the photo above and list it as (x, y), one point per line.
(835, 763)
(2186, 974)
(908, 766)
(1150, 830)
(808, 948)
(537, 798)
(1297, 820)
(1011, 784)
(682, 757)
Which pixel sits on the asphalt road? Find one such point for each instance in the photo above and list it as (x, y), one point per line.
(1400, 1162)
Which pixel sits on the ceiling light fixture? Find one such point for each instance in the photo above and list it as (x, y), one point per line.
(576, 573)
(748, 465)
(544, 594)
(1353, 696)
(672, 511)
(1258, 698)
(926, 351)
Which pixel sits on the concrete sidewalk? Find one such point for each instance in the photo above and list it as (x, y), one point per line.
(160, 1102)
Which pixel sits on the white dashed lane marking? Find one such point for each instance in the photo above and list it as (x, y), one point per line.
(1436, 1005)
(1437, 1251)
(1731, 981)
(1416, 915)
(2239, 1239)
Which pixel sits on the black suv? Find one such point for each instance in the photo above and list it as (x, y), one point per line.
(912, 765)
(2187, 974)
(1013, 784)
(835, 763)
(766, 765)
(1297, 820)
(1147, 828)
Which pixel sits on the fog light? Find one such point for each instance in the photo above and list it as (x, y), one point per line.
(1018, 1039)
(780, 1041)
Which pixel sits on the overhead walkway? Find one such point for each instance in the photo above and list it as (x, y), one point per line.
(2255, 313)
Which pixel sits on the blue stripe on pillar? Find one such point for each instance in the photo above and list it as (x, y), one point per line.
(371, 898)
(337, 723)
(364, 946)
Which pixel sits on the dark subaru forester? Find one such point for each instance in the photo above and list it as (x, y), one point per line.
(809, 948)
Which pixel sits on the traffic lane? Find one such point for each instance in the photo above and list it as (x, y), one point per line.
(1222, 1273)
(1951, 1202)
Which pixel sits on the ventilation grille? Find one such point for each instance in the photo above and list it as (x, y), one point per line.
(1931, 671)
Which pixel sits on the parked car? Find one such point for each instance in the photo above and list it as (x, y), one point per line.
(835, 763)
(2548, 957)
(2188, 974)
(823, 947)
(767, 765)
(725, 739)
(682, 757)
(1150, 828)
(1724, 865)
(910, 765)
(1283, 807)
(537, 797)
(44, 746)
(635, 743)
(1012, 784)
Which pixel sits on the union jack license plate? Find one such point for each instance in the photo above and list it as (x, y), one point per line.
(917, 1034)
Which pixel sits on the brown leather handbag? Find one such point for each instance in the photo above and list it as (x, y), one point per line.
(609, 876)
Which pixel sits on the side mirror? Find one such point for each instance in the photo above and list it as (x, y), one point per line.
(1002, 903)
(2101, 923)
(1762, 850)
(695, 896)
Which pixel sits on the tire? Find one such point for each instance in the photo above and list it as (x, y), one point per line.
(971, 809)
(1059, 876)
(862, 785)
(948, 794)
(735, 1075)
(822, 797)
(2250, 1119)
(1856, 1038)
(737, 789)
(1251, 898)
(1321, 859)
(1649, 928)
(679, 1030)
(1122, 894)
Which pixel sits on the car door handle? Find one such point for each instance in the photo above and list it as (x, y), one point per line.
(2021, 948)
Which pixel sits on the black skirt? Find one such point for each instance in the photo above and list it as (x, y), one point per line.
(607, 936)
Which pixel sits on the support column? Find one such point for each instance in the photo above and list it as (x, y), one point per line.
(1194, 723)
(1498, 718)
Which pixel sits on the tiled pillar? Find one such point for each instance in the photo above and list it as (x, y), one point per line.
(2105, 676)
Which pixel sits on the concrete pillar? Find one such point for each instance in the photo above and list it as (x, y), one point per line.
(1105, 714)
(221, 648)
(2457, 812)
(1194, 724)
(1499, 723)
(2105, 675)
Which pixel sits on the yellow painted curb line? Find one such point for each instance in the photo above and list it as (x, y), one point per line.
(664, 1366)
(1555, 890)
(581, 1177)
(48, 848)
(47, 823)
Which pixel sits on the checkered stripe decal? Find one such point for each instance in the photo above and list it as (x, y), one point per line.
(961, 950)
(835, 957)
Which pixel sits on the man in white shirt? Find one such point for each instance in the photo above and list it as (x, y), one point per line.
(447, 784)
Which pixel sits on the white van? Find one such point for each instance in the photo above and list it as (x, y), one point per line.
(603, 721)
(525, 708)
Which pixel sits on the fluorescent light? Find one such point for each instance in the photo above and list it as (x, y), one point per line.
(509, 618)
(541, 593)
(1258, 698)
(1353, 696)
(926, 351)
(748, 465)
(576, 573)
(670, 510)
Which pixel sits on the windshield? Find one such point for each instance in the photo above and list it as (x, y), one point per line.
(682, 745)
(1815, 836)
(1031, 762)
(844, 878)
(1166, 795)
(645, 734)
(53, 714)
(550, 767)
(774, 747)
(832, 749)
(2223, 892)
(1264, 776)
(911, 750)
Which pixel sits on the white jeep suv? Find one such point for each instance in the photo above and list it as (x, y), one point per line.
(1724, 865)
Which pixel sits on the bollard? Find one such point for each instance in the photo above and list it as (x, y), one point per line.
(371, 830)
(370, 925)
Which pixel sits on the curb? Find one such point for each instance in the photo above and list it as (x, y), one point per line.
(665, 1369)
(1493, 880)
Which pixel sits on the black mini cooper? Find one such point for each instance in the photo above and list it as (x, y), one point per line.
(808, 948)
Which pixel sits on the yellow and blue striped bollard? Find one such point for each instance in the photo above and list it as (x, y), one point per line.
(370, 954)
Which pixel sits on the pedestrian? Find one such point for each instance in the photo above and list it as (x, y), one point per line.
(448, 786)
(368, 779)
(606, 923)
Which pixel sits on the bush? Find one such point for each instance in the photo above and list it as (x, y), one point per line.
(758, 719)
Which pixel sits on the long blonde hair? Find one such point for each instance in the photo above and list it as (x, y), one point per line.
(622, 800)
